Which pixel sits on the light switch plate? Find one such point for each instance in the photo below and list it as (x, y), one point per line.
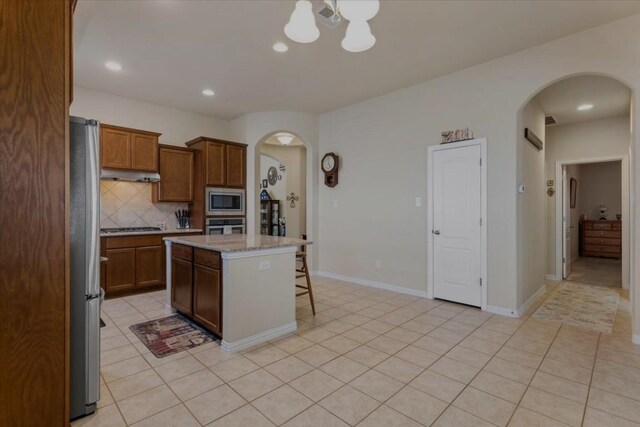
(418, 201)
(264, 265)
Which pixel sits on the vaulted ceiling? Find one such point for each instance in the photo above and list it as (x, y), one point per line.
(170, 50)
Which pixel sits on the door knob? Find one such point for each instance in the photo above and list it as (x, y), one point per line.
(436, 232)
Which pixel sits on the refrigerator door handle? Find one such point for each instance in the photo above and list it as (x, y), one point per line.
(92, 365)
(93, 207)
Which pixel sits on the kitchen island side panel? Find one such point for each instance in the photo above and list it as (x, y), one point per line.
(256, 300)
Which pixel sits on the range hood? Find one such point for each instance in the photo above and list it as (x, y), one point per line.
(124, 175)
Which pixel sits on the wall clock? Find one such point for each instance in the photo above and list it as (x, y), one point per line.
(272, 175)
(330, 165)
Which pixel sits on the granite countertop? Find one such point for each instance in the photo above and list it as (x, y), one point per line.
(236, 242)
(147, 233)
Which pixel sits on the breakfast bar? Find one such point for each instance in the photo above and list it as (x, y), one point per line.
(240, 287)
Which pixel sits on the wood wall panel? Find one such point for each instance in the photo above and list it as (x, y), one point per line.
(34, 287)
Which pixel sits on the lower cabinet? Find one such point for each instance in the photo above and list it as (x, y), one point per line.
(207, 297)
(149, 266)
(121, 269)
(181, 285)
(196, 286)
(133, 264)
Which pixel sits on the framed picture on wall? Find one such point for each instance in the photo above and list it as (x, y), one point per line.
(265, 183)
(573, 189)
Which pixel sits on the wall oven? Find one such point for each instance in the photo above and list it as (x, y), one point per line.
(225, 226)
(225, 201)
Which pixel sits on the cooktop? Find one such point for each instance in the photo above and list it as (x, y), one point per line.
(129, 229)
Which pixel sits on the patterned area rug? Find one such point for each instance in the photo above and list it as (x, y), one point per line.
(170, 335)
(585, 306)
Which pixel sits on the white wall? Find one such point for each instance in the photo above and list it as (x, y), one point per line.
(177, 126)
(574, 142)
(600, 183)
(383, 143)
(293, 181)
(531, 205)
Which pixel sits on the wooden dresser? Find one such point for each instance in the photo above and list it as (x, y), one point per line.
(601, 239)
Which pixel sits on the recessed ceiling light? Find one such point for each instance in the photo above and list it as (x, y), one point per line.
(585, 107)
(280, 47)
(113, 66)
(208, 92)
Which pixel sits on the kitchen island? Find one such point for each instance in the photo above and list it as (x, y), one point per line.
(240, 287)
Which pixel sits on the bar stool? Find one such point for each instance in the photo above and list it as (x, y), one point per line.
(301, 256)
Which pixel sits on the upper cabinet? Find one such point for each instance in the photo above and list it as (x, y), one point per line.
(235, 166)
(176, 175)
(215, 164)
(225, 163)
(131, 149)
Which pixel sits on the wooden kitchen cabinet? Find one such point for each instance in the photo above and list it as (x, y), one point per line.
(121, 270)
(207, 297)
(149, 266)
(225, 162)
(144, 152)
(215, 164)
(235, 166)
(115, 148)
(129, 149)
(134, 263)
(196, 285)
(181, 285)
(176, 166)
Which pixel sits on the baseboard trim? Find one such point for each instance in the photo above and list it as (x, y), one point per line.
(260, 338)
(373, 284)
(533, 300)
(552, 277)
(635, 339)
(494, 309)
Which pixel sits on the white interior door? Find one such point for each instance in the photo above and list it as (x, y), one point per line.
(457, 213)
(566, 225)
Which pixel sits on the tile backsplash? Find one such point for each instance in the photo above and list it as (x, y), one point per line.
(128, 204)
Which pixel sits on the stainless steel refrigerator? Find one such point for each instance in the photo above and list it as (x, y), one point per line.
(84, 171)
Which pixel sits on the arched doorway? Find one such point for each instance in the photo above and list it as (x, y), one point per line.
(283, 174)
(574, 137)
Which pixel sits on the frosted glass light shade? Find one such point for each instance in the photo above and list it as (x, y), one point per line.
(302, 27)
(285, 139)
(358, 10)
(358, 37)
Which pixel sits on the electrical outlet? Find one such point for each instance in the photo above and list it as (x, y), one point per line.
(378, 264)
(264, 265)
(418, 201)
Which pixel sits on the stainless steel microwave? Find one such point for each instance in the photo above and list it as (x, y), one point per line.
(225, 201)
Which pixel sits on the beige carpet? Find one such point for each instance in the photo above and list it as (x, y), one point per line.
(586, 306)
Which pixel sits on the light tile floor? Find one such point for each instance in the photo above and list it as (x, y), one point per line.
(374, 358)
(597, 271)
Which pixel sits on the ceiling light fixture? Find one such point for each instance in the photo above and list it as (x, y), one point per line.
(285, 139)
(585, 107)
(113, 66)
(280, 47)
(208, 92)
(302, 27)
